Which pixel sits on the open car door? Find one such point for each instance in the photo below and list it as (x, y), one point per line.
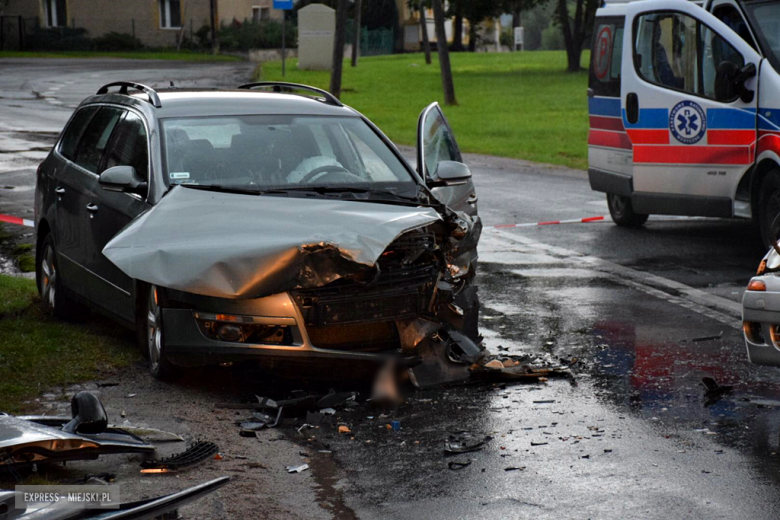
(439, 162)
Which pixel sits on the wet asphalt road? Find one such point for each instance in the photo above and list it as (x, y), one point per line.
(637, 310)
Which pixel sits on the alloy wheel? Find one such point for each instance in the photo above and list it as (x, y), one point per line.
(154, 329)
(49, 278)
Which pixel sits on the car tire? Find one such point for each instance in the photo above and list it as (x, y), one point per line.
(47, 277)
(151, 336)
(768, 207)
(622, 211)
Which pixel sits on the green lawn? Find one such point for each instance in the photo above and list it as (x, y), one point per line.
(521, 105)
(38, 352)
(134, 55)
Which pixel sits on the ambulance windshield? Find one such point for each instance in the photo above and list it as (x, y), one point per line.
(765, 19)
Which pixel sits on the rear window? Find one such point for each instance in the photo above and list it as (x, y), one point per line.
(606, 57)
(93, 143)
(75, 129)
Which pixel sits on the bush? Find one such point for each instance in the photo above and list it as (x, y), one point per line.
(552, 38)
(58, 39)
(255, 35)
(115, 41)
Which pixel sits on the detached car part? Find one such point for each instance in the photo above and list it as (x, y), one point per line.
(24, 442)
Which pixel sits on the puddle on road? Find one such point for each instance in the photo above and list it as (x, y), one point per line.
(639, 350)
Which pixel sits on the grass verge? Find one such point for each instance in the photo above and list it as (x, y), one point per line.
(133, 55)
(38, 352)
(521, 105)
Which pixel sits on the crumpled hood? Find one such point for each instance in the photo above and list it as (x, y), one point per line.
(246, 246)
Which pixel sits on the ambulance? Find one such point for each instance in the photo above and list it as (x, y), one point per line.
(684, 106)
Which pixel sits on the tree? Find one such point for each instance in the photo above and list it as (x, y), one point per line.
(516, 8)
(421, 6)
(425, 43)
(475, 11)
(444, 54)
(575, 30)
(338, 48)
(356, 32)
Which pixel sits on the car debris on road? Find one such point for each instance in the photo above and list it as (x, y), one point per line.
(27, 442)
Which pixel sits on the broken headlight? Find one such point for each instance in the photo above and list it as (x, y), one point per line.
(244, 329)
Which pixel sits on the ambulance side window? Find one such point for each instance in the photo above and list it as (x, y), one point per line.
(666, 50)
(729, 15)
(606, 57)
(676, 51)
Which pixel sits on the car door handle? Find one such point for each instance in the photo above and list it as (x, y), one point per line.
(92, 208)
(59, 190)
(473, 199)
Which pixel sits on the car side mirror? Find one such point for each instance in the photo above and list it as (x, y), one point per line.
(88, 414)
(449, 173)
(730, 82)
(122, 179)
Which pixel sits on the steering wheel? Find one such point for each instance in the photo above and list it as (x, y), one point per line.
(316, 171)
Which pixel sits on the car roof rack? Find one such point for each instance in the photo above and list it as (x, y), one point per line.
(154, 99)
(281, 86)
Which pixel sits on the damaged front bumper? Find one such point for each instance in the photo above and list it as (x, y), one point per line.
(205, 331)
(761, 320)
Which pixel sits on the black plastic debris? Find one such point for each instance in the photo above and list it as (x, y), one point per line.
(713, 391)
(197, 453)
(464, 442)
(514, 468)
(314, 418)
(457, 465)
(708, 338)
(335, 400)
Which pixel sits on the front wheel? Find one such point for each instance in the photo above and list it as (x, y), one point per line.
(152, 337)
(47, 277)
(622, 211)
(769, 207)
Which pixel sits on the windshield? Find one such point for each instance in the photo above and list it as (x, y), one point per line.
(765, 19)
(280, 152)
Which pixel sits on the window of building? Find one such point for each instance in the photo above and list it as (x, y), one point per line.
(260, 14)
(170, 14)
(56, 13)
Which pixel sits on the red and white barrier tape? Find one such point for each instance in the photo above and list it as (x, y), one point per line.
(553, 222)
(16, 220)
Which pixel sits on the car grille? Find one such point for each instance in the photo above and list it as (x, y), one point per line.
(402, 289)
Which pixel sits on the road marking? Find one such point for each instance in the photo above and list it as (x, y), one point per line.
(720, 309)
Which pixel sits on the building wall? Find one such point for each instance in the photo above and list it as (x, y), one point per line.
(25, 8)
(139, 17)
(229, 10)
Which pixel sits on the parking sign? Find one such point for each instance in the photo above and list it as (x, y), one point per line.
(284, 5)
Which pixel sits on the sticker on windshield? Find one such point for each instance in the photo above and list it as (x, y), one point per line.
(687, 122)
(180, 175)
(603, 50)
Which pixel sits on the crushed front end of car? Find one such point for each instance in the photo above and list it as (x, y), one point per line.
(241, 278)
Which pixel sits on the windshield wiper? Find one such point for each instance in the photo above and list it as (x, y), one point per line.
(349, 189)
(231, 189)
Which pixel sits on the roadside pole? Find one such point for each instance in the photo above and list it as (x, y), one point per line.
(283, 6)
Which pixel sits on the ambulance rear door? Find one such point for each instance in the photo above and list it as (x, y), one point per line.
(689, 108)
(609, 149)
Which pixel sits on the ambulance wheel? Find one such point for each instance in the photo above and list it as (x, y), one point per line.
(769, 207)
(623, 213)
